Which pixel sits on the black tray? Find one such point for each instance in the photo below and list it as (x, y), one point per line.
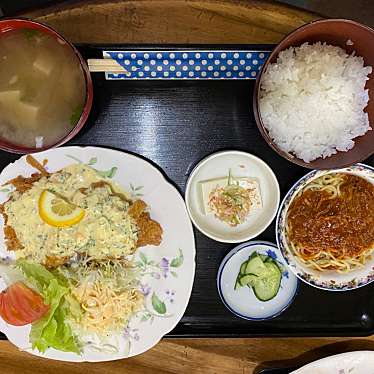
(177, 123)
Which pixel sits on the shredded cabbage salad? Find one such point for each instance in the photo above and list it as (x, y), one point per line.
(85, 298)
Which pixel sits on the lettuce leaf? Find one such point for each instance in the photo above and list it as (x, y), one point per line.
(37, 274)
(52, 330)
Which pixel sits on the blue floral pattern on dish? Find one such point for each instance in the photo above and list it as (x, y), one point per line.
(271, 254)
(227, 275)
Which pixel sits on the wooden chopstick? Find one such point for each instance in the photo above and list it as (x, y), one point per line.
(106, 65)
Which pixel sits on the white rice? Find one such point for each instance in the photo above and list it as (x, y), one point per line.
(312, 100)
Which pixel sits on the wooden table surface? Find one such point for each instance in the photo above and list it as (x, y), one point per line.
(183, 21)
(207, 356)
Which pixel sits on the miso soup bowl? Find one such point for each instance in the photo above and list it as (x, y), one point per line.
(335, 32)
(19, 23)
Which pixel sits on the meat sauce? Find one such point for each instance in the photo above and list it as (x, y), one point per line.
(343, 225)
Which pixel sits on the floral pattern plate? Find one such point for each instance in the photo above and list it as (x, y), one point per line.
(243, 302)
(167, 271)
(329, 280)
(359, 362)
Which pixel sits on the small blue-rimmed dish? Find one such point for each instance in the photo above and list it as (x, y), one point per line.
(329, 280)
(242, 302)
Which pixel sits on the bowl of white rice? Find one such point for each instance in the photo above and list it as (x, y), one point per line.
(314, 97)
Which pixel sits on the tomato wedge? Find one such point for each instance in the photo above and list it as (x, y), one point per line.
(20, 305)
(9, 314)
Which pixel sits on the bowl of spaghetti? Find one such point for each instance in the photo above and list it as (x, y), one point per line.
(325, 228)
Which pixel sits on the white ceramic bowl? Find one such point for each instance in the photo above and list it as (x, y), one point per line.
(243, 302)
(242, 164)
(358, 362)
(328, 280)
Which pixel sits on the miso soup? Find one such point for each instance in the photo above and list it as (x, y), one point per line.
(42, 88)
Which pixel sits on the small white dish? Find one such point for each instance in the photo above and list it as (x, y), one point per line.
(241, 164)
(243, 302)
(358, 362)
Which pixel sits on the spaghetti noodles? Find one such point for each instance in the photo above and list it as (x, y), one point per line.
(330, 223)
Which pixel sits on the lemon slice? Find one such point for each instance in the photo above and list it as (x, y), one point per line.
(58, 212)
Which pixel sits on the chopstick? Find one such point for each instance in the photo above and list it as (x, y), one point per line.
(106, 65)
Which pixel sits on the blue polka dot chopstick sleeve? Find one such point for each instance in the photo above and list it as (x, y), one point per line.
(187, 64)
